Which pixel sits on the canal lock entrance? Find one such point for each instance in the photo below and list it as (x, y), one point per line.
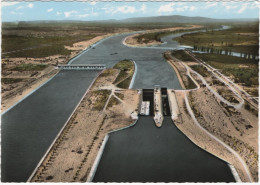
(144, 153)
(148, 96)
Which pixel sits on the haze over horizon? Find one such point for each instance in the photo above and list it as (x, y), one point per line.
(91, 11)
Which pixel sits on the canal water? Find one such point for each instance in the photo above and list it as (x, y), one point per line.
(28, 129)
(145, 153)
(148, 95)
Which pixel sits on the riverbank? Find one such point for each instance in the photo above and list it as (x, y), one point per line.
(238, 128)
(181, 71)
(74, 152)
(133, 40)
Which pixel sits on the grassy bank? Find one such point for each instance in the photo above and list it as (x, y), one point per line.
(125, 75)
(201, 70)
(240, 38)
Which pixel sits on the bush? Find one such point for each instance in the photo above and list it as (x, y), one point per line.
(248, 76)
(113, 101)
(125, 84)
(11, 80)
(201, 70)
(181, 55)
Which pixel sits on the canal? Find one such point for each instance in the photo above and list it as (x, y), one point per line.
(29, 128)
(145, 153)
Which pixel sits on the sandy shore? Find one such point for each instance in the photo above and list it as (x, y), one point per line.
(84, 44)
(74, 152)
(132, 40)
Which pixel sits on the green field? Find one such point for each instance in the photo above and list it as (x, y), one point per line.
(242, 38)
(243, 70)
(39, 46)
(126, 68)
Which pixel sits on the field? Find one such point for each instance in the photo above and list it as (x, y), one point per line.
(240, 69)
(242, 38)
(35, 46)
(41, 39)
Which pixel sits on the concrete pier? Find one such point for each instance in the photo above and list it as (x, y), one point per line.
(158, 112)
(173, 104)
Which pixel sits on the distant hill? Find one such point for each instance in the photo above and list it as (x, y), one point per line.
(182, 19)
(156, 19)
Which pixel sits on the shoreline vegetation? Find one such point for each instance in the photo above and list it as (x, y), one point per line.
(241, 38)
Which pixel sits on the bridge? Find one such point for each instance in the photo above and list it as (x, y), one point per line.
(82, 66)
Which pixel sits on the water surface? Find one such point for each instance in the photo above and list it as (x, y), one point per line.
(145, 153)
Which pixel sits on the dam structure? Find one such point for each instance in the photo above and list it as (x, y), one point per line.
(82, 66)
(30, 127)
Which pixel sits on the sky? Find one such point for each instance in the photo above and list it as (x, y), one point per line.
(88, 11)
